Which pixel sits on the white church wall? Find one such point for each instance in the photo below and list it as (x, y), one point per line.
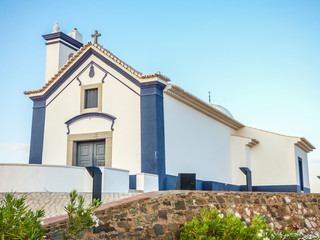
(271, 159)
(299, 153)
(90, 125)
(117, 100)
(121, 102)
(195, 143)
(60, 109)
(240, 156)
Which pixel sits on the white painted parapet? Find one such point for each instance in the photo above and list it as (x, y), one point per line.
(147, 182)
(53, 178)
(115, 180)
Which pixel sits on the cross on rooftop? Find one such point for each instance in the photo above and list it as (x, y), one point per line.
(96, 35)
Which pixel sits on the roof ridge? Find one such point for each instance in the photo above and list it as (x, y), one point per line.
(282, 135)
(130, 68)
(200, 105)
(302, 142)
(113, 56)
(106, 52)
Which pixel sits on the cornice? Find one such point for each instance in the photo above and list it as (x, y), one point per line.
(305, 145)
(194, 102)
(301, 142)
(63, 36)
(251, 141)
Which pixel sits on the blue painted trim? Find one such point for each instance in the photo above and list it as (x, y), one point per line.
(115, 67)
(171, 182)
(80, 83)
(104, 77)
(91, 72)
(300, 166)
(63, 43)
(65, 76)
(63, 36)
(89, 115)
(199, 185)
(37, 132)
(132, 181)
(219, 186)
(307, 190)
(276, 188)
(102, 69)
(152, 130)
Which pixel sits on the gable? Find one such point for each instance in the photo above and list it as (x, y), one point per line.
(80, 57)
(80, 66)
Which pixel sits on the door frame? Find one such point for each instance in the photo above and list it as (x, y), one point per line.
(73, 139)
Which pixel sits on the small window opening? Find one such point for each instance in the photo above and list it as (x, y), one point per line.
(91, 98)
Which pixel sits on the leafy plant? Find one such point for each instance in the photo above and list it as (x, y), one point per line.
(292, 232)
(80, 218)
(213, 225)
(17, 222)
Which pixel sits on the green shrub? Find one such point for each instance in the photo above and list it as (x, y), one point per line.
(213, 225)
(16, 222)
(80, 218)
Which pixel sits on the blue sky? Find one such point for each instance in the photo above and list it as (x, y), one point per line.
(260, 59)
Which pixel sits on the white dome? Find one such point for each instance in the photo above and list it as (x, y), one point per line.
(222, 109)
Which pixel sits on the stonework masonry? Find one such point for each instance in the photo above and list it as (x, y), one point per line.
(160, 215)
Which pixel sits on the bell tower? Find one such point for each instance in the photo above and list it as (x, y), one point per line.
(60, 47)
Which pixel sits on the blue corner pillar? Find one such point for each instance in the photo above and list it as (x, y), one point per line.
(152, 130)
(37, 131)
(247, 172)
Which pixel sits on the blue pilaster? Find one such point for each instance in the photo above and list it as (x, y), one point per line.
(37, 131)
(152, 130)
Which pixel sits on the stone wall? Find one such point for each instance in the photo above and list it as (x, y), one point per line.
(160, 215)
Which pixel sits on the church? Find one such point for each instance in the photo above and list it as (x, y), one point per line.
(96, 110)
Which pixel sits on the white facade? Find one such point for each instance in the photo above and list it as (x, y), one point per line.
(196, 143)
(151, 128)
(275, 152)
(117, 100)
(240, 157)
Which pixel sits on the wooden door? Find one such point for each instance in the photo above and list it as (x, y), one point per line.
(91, 153)
(99, 153)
